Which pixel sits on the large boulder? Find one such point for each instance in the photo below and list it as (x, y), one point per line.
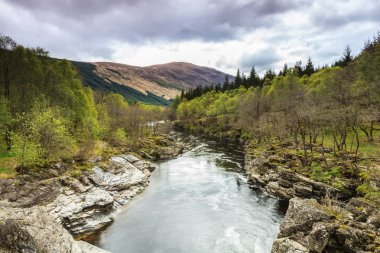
(88, 204)
(301, 216)
(274, 174)
(311, 227)
(34, 230)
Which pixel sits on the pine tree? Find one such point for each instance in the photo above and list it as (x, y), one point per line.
(285, 69)
(253, 78)
(226, 84)
(298, 68)
(309, 68)
(347, 57)
(238, 79)
(182, 94)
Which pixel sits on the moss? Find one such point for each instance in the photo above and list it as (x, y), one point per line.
(335, 212)
(373, 196)
(76, 173)
(339, 185)
(365, 189)
(325, 175)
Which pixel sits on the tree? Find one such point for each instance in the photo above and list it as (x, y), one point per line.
(226, 84)
(346, 58)
(43, 132)
(284, 70)
(268, 77)
(5, 123)
(253, 78)
(298, 67)
(238, 79)
(309, 68)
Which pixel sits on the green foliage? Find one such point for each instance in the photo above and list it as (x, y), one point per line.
(119, 137)
(325, 175)
(365, 189)
(43, 134)
(5, 115)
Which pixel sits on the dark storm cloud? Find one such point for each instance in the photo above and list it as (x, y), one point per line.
(262, 60)
(133, 20)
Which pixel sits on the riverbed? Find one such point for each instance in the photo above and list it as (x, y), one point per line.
(200, 201)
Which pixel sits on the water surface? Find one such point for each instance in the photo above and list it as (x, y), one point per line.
(198, 202)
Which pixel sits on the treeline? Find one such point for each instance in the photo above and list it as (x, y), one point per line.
(254, 80)
(47, 114)
(341, 103)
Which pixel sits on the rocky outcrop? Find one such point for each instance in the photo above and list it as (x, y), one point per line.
(311, 227)
(34, 230)
(87, 202)
(275, 175)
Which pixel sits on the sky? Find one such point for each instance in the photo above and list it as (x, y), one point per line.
(222, 34)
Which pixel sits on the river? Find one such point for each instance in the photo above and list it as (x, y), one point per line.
(198, 202)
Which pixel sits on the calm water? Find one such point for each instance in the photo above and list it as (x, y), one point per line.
(198, 202)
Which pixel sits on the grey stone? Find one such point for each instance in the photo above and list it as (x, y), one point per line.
(286, 245)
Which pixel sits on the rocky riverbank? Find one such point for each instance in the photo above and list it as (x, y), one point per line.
(320, 217)
(43, 214)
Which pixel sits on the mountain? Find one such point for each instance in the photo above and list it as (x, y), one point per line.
(155, 84)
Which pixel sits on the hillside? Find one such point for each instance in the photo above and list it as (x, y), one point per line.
(155, 84)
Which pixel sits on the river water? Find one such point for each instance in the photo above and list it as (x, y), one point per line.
(198, 202)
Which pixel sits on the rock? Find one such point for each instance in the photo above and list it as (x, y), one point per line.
(34, 230)
(77, 186)
(320, 236)
(272, 172)
(311, 225)
(374, 220)
(147, 172)
(86, 205)
(143, 165)
(83, 213)
(95, 159)
(301, 215)
(116, 182)
(285, 183)
(275, 189)
(286, 245)
(356, 240)
(130, 158)
(303, 190)
(86, 247)
(361, 208)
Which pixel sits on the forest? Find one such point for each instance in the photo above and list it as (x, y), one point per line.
(333, 108)
(47, 114)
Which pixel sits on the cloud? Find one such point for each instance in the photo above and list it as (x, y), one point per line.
(136, 21)
(262, 60)
(225, 34)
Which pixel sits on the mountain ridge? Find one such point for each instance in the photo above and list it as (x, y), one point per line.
(154, 84)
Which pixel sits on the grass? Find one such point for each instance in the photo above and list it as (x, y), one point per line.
(8, 163)
(366, 149)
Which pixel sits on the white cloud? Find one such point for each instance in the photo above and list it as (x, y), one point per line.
(224, 34)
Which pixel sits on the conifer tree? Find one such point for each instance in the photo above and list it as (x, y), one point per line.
(309, 68)
(238, 79)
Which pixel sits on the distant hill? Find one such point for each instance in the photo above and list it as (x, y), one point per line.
(155, 84)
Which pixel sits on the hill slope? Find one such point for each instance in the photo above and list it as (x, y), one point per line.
(155, 84)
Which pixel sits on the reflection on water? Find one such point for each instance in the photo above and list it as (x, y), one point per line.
(198, 202)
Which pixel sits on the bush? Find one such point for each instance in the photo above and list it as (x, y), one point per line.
(119, 137)
(43, 135)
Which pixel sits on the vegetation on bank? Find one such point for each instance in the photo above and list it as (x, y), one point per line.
(330, 113)
(47, 114)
